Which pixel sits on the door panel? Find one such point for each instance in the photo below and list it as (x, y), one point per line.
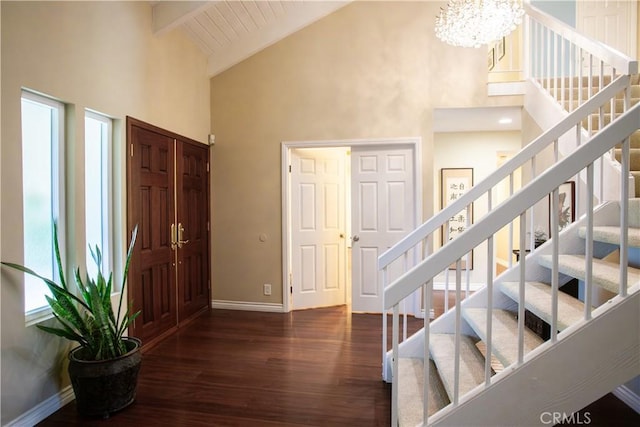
(167, 190)
(193, 214)
(318, 227)
(151, 276)
(610, 22)
(383, 211)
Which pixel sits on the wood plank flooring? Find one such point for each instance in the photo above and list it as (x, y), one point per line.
(234, 368)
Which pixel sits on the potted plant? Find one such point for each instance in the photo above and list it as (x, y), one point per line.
(104, 367)
(540, 236)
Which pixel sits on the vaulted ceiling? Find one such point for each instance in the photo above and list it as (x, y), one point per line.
(229, 31)
(232, 30)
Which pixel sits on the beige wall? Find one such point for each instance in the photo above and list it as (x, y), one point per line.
(369, 70)
(97, 55)
(480, 151)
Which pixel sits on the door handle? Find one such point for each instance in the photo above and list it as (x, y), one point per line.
(174, 239)
(181, 242)
(355, 238)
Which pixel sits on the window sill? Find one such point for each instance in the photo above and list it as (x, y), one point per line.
(38, 315)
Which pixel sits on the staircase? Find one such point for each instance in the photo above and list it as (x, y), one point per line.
(538, 299)
(594, 122)
(457, 367)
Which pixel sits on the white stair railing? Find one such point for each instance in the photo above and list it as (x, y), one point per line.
(486, 228)
(580, 108)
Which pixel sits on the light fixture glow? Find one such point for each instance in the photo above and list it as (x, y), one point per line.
(473, 23)
(505, 121)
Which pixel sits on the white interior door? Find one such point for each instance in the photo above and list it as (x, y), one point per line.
(383, 211)
(612, 22)
(318, 256)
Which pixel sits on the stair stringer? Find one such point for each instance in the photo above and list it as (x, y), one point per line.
(550, 380)
(570, 243)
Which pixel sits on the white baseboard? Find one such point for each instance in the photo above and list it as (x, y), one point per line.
(44, 409)
(631, 399)
(248, 306)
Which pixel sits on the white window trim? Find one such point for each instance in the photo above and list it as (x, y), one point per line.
(39, 314)
(107, 196)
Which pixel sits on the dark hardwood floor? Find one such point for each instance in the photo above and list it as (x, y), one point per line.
(234, 368)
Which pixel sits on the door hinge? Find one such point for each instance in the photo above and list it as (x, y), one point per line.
(131, 150)
(289, 168)
(208, 229)
(207, 166)
(291, 290)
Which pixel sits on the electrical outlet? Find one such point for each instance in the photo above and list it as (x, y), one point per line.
(266, 288)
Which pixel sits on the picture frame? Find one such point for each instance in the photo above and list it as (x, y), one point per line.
(501, 47)
(491, 58)
(567, 202)
(454, 182)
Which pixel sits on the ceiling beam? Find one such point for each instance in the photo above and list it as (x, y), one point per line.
(167, 15)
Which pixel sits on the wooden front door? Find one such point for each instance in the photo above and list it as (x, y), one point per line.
(167, 193)
(192, 228)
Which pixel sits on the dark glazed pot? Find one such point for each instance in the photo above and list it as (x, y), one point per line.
(105, 386)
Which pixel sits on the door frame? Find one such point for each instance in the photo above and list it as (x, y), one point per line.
(415, 143)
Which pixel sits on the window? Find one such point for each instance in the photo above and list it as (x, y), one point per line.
(43, 193)
(97, 156)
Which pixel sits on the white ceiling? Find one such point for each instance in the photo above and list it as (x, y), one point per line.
(477, 119)
(232, 30)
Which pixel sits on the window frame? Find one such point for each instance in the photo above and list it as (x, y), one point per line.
(58, 195)
(106, 157)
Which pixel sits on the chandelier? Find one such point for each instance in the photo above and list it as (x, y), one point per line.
(472, 23)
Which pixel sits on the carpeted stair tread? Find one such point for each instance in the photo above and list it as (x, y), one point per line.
(611, 234)
(442, 349)
(504, 335)
(605, 274)
(636, 177)
(635, 92)
(618, 105)
(634, 157)
(411, 391)
(538, 301)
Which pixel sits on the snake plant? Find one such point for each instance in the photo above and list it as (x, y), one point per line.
(85, 314)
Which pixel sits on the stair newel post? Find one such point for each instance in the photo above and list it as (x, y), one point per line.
(511, 223)
(578, 180)
(521, 302)
(590, 92)
(600, 126)
(580, 69)
(572, 48)
(532, 235)
(588, 250)
(555, 245)
(384, 326)
(467, 257)
(563, 71)
(446, 271)
(458, 333)
(487, 362)
(428, 292)
(395, 334)
(405, 268)
(624, 217)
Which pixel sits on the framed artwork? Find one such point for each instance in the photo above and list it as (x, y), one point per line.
(566, 205)
(454, 182)
(491, 58)
(501, 48)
